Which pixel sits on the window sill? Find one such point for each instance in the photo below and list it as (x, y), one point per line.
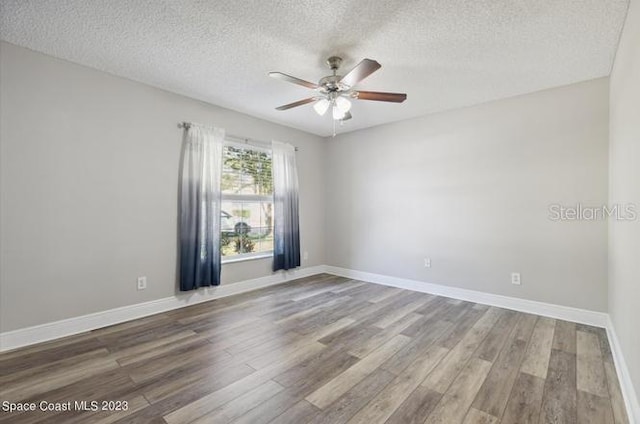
(248, 258)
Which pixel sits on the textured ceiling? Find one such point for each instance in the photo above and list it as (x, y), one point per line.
(444, 53)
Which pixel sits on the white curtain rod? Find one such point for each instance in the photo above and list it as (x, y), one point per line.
(231, 137)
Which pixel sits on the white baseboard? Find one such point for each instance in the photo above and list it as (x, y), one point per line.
(41, 333)
(624, 377)
(54, 330)
(583, 316)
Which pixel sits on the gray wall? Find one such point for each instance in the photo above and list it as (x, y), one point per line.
(89, 173)
(624, 237)
(471, 189)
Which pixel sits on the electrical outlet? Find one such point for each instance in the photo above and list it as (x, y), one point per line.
(142, 283)
(427, 262)
(515, 278)
(305, 256)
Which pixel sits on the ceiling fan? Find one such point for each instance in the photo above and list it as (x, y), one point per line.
(335, 90)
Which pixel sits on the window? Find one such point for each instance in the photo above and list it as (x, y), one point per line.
(247, 202)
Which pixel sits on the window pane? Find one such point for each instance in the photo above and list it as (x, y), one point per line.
(246, 171)
(247, 227)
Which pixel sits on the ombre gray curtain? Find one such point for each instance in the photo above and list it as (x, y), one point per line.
(199, 208)
(286, 243)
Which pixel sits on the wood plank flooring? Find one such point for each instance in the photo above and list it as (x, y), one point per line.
(324, 349)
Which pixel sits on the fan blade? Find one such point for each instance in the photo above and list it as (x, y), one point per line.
(289, 78)
(296, 104)
(362, 70)
(381, 97)
(347, 116)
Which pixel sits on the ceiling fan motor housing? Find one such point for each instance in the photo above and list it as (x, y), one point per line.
(332, 84)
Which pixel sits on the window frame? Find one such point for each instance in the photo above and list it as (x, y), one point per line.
(241, 257)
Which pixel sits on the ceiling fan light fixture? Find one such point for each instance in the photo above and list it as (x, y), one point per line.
(343, 104)
(321, 106)
(337, 113)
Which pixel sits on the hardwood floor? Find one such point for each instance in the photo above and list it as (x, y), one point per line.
(324, 349)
